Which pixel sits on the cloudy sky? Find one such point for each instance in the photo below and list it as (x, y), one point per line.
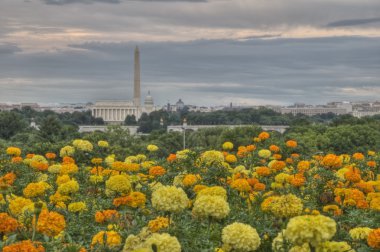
(209, 52)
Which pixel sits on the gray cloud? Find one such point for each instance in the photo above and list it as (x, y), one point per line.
(9, 48)
(62, 2)
(353, 22)
(201, 72)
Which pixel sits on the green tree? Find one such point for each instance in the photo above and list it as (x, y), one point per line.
(11, 123)
(50, 128)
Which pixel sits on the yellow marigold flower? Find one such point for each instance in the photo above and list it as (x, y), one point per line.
(264, 153)
(286, 206)
(360, 233)
(158, 224)
(135, 199)
(198, 188)
(69, 187)
(109, 160)
(26, 245)
(227, 146)
(375, 204)
(164, 242)
(212, 157)
(35, 189)
(231, 158)
(96, 161)
(312, 229)
(373, 238)
(241, 185)
(70, 168)
(190, 179)
(103, 144)
(211, 206)
(67, 151)
(55, 169)
(13, 151)
(119, 183)
(333, 246)
(50, 223)
(95, 179)
(77, 207)
(83, 145)
(152, 148)
(169, 199)
(240, 237)
(213, 191)
(113, 239)
(57, 197)
(303, 165)
(182, 154)
(62, 179)
(17, 204)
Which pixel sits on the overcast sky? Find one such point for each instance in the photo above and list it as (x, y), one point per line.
(207, 52)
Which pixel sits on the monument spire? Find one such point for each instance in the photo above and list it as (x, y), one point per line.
(136, 90)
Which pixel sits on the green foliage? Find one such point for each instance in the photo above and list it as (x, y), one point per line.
(10, 124)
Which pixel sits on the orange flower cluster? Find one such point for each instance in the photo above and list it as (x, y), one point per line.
(16, 160)
(50, 223)
(331, 161)
(291, 144)
(39, 165)
(278, 165)
(7, 224)
(353, 175)
(8, 179)
(50, 155)
(264, 135)
(171, 158)
(107, 216)
(27, 246)
(297, 180)
(274, 148)
(358, 156)
(158, 224)
(351, 197)
(373, 239)
(157, 171)
(134, 199)
(241, 185)
(263, 171)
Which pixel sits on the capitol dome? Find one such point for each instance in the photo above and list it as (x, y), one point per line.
(148, 100)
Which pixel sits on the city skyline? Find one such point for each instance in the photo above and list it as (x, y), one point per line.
(245, 52)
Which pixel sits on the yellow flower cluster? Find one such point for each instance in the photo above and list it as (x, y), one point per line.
(286, 206)
(227, 146)
(83, 145)
(77, 207)
(119, 183)
(152, 148)
(103, 144)
(169, 199)
(360, 233)
(16, 205)
(164, 242)
(112, 239)
(213, 191)
(35, 189)
(13, 151)
(158, 224)
(67, 151)
(68, 187)
(208, 206)
(212, 157)
(240, 237)
(264, 153)
(312, 229)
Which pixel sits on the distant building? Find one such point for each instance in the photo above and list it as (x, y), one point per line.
(311, 111)
(180, 105)
(115, 111)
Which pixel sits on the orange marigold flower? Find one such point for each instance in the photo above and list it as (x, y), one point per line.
(297, 180)
(107, 216)
(371, 164)
(353, 175)
(157, 171)
(373, 239)
(7, 224)
(289, 160)
(274, 148)
(277, 156)
(331, 161)
(27, 245)
(264, 135)
(263, 171)
(29, 155)
(252, 181)
(50, 223)
(68, 160)
(190, 179)
(259, 187)
(158, 224)
(39, 165)
(171, 158)
(295, 155)
(16, 160)
(278, 165)
(119, 166)
(241, 185)
(291, 144)
(358, 156)
(50, 155)
(303, 166)
(250, 148)
(8, 178)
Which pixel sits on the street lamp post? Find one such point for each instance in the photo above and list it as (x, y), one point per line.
(184, 124)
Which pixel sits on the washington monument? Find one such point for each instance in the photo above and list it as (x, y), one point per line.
(136, 91)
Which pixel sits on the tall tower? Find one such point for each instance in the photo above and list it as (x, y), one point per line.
(136, 90)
